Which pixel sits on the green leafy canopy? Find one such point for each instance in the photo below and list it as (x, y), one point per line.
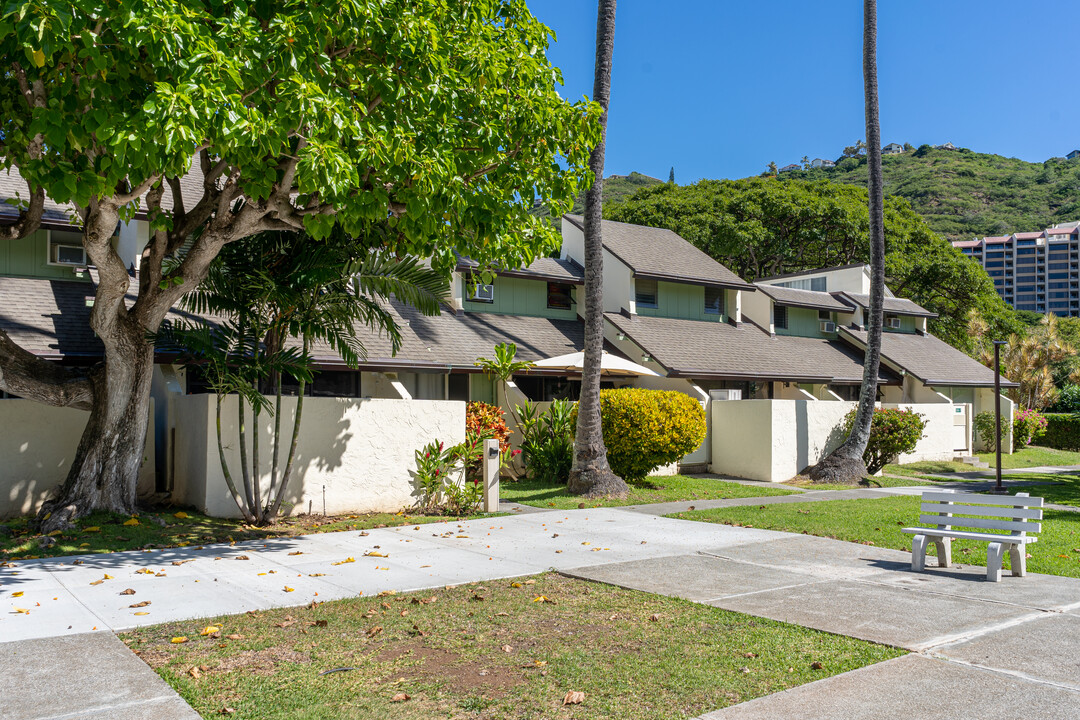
(442, 115)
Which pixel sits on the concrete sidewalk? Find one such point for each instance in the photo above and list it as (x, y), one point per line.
(971, 637)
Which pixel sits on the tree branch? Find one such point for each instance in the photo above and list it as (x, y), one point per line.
(24, 374)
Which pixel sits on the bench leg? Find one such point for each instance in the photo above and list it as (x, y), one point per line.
(1018, 560)
(994, 553)
(918, 553)
(944, 552)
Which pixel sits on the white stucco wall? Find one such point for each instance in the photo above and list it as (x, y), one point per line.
(360, 451)
(618, 280)
(37, 445)
(775, 440)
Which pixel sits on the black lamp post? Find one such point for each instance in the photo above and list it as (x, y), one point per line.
(999, 489)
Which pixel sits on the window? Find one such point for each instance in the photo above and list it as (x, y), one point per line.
(780, 317)
(479, 292)
(714, 301)
(65, 248)
(559, 296)
(817, 284)
(824, 315)
(645, 293)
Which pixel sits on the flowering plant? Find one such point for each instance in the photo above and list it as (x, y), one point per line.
(1028, 425)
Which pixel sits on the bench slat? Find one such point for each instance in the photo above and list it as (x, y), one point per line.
(1005, 512)
(960, 497)
(960, 534)
(985, 523)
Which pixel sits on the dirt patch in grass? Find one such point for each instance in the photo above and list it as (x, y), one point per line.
(494, 650)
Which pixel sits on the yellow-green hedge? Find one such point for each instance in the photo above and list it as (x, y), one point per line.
(644, 429)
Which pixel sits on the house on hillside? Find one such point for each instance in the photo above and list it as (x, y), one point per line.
(1072, 154)
(892, 149)
(946, 146)
(790, 167)
(821, 163)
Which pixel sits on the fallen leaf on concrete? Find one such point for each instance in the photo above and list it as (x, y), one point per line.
(141, 613)
(181, 562)
(144, 571)
(17, 594)
(346, 560)
(298, 552)
(242, 557)
(288, 589)
(372, 553)
(144, 603)
(129, 591)
(574, 697)
(97, 582)
(160, 574)
(21, 611)
(400, 697)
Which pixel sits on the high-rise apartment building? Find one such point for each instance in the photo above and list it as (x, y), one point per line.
(1037, 271)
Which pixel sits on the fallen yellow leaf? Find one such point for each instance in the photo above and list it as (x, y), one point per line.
(372, 553)
(209, 630)
(142, 613)
(181, 515)
(92, 528)
(131, 522)
(288, 589)
(108, 577)
(17, 594)
(178, 640)
(346, 560)
(24, 611)
(144, 571)
(54, 533)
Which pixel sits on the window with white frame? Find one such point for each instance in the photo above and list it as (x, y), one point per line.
(645, 293)
(66, 248)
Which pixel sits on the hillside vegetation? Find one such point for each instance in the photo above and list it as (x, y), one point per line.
(616, 189)
(963, 194)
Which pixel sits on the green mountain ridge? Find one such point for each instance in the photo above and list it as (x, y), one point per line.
(963, 194)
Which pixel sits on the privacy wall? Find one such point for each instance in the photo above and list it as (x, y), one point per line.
(353, 456)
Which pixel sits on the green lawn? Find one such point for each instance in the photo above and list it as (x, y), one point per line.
(1064, 491)
(658, 489)
(868, 483)
(1032, 456)
(878, 523)
(501, 649)
(929, 467)
(106, 532)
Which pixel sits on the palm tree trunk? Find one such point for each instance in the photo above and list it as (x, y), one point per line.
(590, 474)
(845, 464)
(225, 468)
(286, 474)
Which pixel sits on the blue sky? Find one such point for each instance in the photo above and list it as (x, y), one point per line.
(719, 88)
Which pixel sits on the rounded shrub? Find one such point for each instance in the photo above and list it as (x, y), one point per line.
(1068, 400)
(645, 429)
(892, 433)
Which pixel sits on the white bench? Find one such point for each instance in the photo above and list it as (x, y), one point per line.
(1018, 515)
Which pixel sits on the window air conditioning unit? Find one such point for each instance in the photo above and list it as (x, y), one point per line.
(483, 293)
(69, 255)
(725, 394)
(827, 326)
(892, 323)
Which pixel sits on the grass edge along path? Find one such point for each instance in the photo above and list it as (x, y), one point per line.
(878, 522)
(499, 649)
(657, 489)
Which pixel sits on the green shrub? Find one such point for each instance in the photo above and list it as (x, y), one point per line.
(984, 430)
(1028, 426)
(1068, 400)
(1062, 432)
(484, 421)
(437, 471)
(547, 441)
(892, 432)
(644, 429)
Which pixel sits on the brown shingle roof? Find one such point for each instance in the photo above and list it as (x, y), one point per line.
(544, 268)
(693, 348)
(805, 298)
(931, 360)
(893, 305)
(661, 254)
(50, 318)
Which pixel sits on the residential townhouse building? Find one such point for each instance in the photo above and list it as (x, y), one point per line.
(1037, 271)
(668, 307)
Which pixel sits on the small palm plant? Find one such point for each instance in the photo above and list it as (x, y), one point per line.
(265, 303)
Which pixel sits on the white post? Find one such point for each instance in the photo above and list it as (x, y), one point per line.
(491, 475)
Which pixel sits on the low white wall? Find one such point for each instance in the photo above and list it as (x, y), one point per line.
(358, 451)
(775, 440)
(37, 445)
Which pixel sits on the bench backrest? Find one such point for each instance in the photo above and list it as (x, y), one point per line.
(1018, 514)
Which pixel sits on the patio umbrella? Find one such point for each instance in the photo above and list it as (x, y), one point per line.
(609, 364)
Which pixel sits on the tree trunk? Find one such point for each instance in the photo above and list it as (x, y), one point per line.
(590, 474)
(845, 464)
(105, 470)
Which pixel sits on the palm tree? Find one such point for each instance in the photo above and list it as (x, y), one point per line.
(590, 474)
(845, 464)
(267, 293)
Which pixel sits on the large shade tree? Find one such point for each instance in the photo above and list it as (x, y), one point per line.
(590, 474)
(845, 463)
(220, 120)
